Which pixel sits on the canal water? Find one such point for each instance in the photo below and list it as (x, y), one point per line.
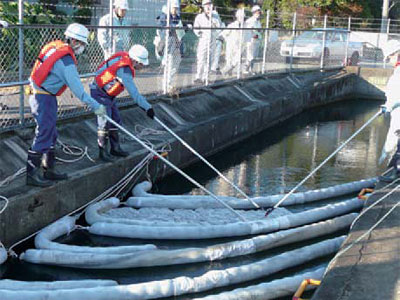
(271, 162)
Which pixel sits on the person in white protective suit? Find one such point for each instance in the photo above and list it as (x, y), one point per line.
(233, 41)
(207, 38)
(392, 107)
(215, 70)
(172, 59)
(253, 38)
(116, 40)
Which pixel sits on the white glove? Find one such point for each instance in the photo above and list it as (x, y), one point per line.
(101, 111)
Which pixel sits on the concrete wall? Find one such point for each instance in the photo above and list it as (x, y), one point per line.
(371, 83)
(209, 119)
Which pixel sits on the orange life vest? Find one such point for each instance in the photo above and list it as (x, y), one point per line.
(54, 51)
(107, 79)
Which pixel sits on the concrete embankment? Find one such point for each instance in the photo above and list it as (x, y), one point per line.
(369, 270)
(209, 119)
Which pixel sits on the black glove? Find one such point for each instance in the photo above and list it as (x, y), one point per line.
(150, 113)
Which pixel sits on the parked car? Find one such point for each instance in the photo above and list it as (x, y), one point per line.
(308, 45)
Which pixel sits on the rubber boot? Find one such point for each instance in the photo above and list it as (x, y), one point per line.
(33, 172)
(389, 177)
(103, 146)
(49, 161)
(116, 149)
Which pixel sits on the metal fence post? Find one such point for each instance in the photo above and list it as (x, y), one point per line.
(239, 68)
(209, 47)
(166, 52)
(346, 57)
(323, 43)
(266, 41)
(387, 38)
(293, 38)
(111, 30)
(21, 60)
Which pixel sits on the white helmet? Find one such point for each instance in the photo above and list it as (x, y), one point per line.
(78, 32)
(175, 3)
(205, 2)
(255, 8)
(140, 54)
(122, 4)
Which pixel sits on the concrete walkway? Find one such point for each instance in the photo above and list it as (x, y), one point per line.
(371, 268)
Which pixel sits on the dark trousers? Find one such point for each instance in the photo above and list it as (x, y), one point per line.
(44, 110)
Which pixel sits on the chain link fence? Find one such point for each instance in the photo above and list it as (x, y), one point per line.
(226, 52)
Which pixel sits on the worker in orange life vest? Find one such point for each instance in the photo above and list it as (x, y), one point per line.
(53, 71)
(112, 77)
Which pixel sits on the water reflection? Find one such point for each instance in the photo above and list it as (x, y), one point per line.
(274, 161)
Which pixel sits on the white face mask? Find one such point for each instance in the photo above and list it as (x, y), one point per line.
(79, 50)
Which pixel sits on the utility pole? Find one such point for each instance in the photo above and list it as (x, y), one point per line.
(385, 15)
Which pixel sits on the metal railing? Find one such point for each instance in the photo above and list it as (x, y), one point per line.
(243, 52)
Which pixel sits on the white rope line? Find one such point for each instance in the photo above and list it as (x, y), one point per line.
(10, 178)
(328, 158)
(5, 205)
(1, 211)
(367, 232)
(176, 168)
(206, 162)
(74, 151)
(375, 203)
(11, 252)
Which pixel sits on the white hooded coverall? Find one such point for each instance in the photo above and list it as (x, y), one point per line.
(253, 38)
(120, 36)
(232, 52)
(207, 40)
(393, 105)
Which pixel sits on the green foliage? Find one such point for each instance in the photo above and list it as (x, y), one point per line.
(34, 13)
(34, 39)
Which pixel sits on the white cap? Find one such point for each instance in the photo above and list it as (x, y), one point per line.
(205, 2)
(122, 4)
(175, 3)
(140, 54)
(255, 8)
(78, 32)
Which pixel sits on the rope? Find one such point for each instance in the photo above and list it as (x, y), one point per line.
(102, 196)
(375, 203)
(74, 151)
(10, 178)
(175, 168)
(207, 162)
(368, 231)
(5, 205)
(327, 159)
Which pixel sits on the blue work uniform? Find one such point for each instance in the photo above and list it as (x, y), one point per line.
(44, 106)
(125, 76)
